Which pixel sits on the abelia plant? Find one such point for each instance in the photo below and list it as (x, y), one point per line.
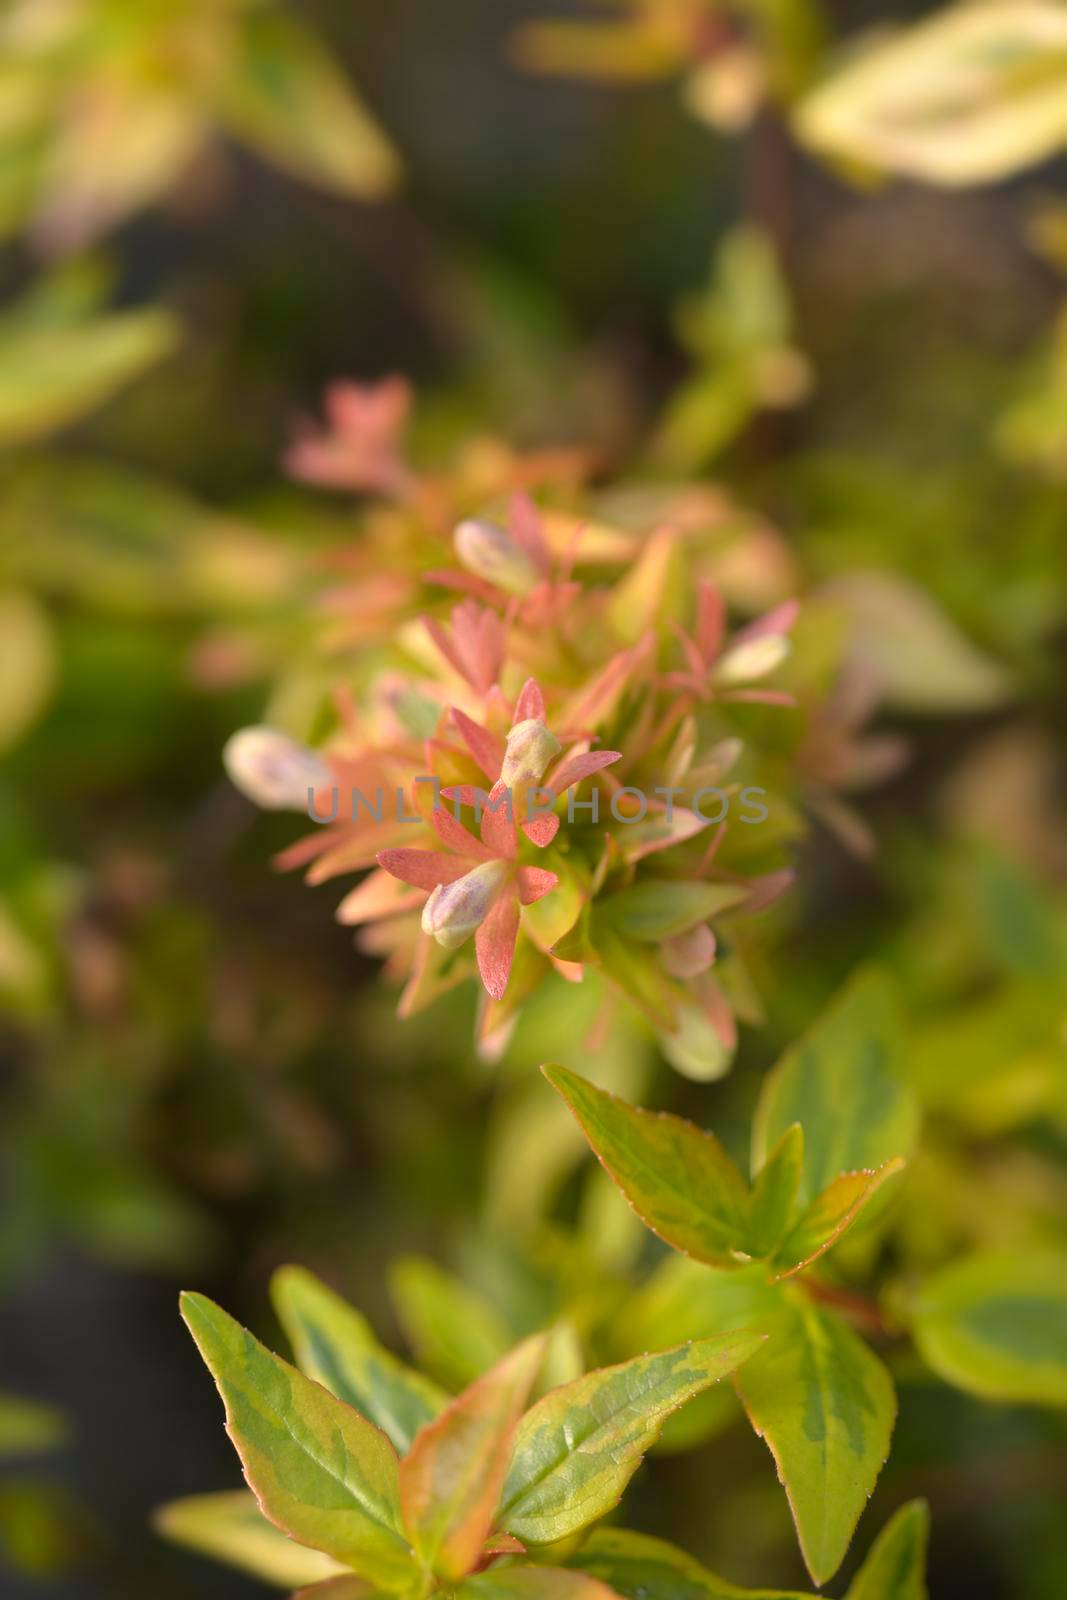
(366, 1478)
(550, 752)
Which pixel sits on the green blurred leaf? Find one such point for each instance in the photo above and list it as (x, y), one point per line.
(996, 1325)
(52, 375)
(531, 1583)
(336, 1346)
(455, 1334)
(640, 1567)
(230, 1527)
(895, 1568)
(27, 1427)
(27, 663)
(651, 911)
(318, 1469)
(842, 1083)
(578, 1447)
(286, 96)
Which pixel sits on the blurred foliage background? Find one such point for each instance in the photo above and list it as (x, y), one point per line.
(204, 221)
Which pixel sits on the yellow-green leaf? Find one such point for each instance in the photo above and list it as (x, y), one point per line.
(825, 1405)
(451, 1479)
(286, 96)
(996, 1325)
(970, 95)
(578, 1447)
(27, 1426)
(829, 1215)
(654, 910)
(336, 1346)
(532, 1583)
(774, 1192)
(52, 375)
(318, 1469)
(230, 1527)
(678, 1179)
(895, 1569)
(842, 1082)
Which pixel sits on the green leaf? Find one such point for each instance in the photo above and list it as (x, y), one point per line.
(578, 1447)
(774, 1192)
(842, 1082)
(640, 1567)
(319, 1470)
(286, 96)
(230, 1527)
(345, 1587)
(830, 1215)
(825, 1406)
(52, 375)
(996, 1325)
(651, 911)
(895, 1569)
(914, 651)
(336, 1346)
(678, 1179)
(531, 1583)
(451, 1480)
(454, 1332)
(970, 95)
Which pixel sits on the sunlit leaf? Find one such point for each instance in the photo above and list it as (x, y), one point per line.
(678, 1179)
(996, 1325)
(578, 1447)
(451, 1479)
(230, 1527)
(970, 95)
(319, 1470)
(335, 1345)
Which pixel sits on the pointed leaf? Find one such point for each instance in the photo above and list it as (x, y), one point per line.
(230, 1527)
(829, 1216)
(842, 1082)
(775, 1191)
(451, 1480)
(640, 1567)
(334, 1345)
(319, 1470)
(678, 1179)
(825, 1405)
(996, 1325)
(578, 1447)
(286, 96)
(895, 1568)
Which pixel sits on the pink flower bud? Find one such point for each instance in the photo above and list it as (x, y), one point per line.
(273, 770)
(492, 554)
(530, 748)
(455, 910)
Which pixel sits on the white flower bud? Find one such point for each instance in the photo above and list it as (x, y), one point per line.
(273, 770)
(491, 553)
(530, 748)
(455, 910)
